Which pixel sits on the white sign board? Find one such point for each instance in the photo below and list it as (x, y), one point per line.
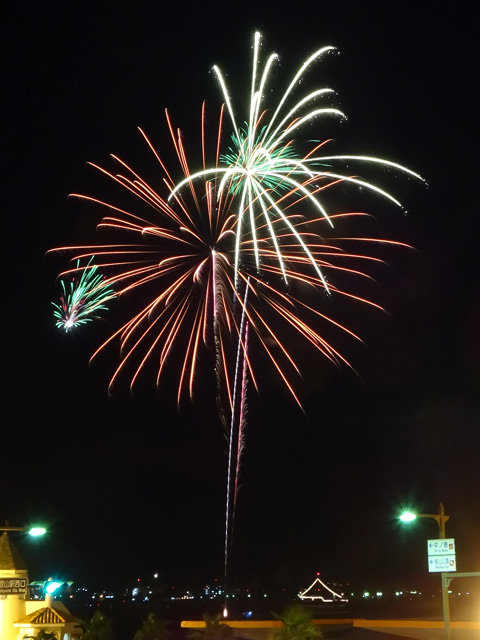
(441, 555)
(442, 563)
(441, 547)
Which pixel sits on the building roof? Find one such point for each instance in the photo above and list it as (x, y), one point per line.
(47, 616)
(10, 559)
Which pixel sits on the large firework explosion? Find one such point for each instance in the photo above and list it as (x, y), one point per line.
(237, 257)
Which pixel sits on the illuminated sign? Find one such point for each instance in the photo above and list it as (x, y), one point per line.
(441, 547)
(442, 563)
(441, 555)
(13, 585)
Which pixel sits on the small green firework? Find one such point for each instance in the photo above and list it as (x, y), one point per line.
(85, 294)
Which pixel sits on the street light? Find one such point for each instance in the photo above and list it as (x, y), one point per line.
(441, 518)
(37, 531)
(408, 516)
(34, 531)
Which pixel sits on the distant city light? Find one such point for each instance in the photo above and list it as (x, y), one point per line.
(137, 593)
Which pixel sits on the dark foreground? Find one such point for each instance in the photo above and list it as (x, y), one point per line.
(363, 634)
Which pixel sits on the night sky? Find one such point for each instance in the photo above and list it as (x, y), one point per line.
(133, 484)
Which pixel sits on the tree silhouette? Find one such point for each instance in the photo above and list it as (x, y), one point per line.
(42, 635)
(98, 628)
(297, 625)
(214, 629)
(152, 628)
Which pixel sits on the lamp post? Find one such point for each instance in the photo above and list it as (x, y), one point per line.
(441, 519)
(32, 531)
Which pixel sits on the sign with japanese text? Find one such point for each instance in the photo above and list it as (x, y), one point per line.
(13, 585)
(441, 547)
(441, 555)
(442, 563)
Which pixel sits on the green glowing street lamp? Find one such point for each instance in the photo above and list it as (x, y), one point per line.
(34, 531)
(408, 516)
(37, 531)
(441, 518)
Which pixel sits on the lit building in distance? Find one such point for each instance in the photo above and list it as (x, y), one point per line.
(20, 617)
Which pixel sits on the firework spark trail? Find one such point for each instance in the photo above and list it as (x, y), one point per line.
(240, 438)
(241, 423)
(236, 425)
(220, 365)
(85, 295)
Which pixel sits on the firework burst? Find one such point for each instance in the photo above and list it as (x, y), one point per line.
(265, 168)
(174, 265)
(85, 294)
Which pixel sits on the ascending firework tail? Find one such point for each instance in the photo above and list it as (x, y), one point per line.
(241, 424)
(236, 428)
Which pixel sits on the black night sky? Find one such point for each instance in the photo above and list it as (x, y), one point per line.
(130, 485)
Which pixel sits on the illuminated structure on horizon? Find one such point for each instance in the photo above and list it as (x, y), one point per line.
(318, 590)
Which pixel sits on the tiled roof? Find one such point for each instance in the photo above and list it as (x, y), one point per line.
(46, 616)
(10, 559)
